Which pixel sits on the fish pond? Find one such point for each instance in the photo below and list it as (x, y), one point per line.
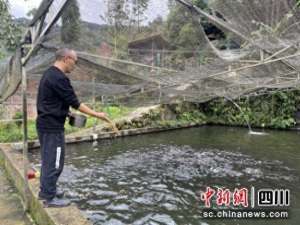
(162, 178)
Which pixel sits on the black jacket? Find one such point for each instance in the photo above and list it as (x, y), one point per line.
(55, 96)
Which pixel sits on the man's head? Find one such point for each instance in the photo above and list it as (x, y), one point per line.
(66, 59)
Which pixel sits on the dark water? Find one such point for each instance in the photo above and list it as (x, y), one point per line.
(157, 178)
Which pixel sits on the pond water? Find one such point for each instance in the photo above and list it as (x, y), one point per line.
(158, 178)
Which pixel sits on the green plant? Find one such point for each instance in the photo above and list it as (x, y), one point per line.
(280, 122)
(18, 117)
(275, 110)
(9, 132)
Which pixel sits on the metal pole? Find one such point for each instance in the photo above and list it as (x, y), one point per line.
(94, 101)
(160, 94)
(25, 137)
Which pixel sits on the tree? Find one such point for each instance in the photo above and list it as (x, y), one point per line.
(157, 25)
(202, 4)
(10, 33)
(188, 37)
(71, 23)
(117, 21)
(32, 12)
(124, 20)
(182, 31)
(171, 4)
(139, 7)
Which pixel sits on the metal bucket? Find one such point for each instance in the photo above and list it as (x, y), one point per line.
(77, 120)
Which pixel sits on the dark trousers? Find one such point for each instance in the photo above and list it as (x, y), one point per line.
(53, 157)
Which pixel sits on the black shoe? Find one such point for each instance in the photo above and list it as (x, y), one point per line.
(59, 194)
(56, 203)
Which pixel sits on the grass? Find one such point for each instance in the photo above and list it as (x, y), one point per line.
(12, 132)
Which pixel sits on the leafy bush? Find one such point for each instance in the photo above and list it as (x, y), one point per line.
(18, 117)
(10, 132)
(275, 110)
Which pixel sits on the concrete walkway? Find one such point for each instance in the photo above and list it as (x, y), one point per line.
(11, 210)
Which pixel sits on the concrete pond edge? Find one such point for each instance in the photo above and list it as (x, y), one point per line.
(110, 135)
(12, 161)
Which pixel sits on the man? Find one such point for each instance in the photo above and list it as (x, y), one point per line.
(55, 96)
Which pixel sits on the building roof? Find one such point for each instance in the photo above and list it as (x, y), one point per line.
(138, 43)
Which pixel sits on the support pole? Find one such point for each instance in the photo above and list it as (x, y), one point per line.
(25, 137)
(94, 101)
(160, 94)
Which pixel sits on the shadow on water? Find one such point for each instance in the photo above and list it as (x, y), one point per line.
(157, 178)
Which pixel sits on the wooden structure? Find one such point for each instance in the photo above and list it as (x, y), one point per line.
(148, 50)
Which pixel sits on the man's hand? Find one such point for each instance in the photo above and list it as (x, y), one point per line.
(86, 110)
(101, 115)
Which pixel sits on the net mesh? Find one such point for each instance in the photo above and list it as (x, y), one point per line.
(143, 52)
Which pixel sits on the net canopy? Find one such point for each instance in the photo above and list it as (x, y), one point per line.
(143, 52)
